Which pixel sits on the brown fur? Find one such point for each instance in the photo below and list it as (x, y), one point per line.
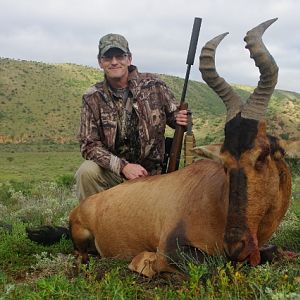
(268, 193)
(140, 215)
(147, 219)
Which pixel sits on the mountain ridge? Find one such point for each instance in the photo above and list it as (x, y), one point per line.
(41, 103)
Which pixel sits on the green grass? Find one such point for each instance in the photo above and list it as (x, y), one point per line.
(32, 271)
(36, 162)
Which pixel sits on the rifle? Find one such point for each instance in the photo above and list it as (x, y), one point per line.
(189, 141)
(179, 130)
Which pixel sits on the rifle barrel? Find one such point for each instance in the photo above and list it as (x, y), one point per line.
(179, 131)
(194, 41)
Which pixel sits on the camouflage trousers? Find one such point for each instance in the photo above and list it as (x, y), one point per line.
(92, 179)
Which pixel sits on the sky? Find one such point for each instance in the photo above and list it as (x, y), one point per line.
(158, 32)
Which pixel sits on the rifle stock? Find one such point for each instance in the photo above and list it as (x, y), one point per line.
(176, 145)
(179, 130)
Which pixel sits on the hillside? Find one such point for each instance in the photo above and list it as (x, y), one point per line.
(41, 103)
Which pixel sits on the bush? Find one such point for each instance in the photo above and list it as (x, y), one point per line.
(65, 181)
(36, 204)
(294, 164)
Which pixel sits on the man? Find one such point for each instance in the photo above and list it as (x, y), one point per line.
(123, 121)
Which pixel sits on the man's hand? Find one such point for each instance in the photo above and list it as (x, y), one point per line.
(181, 117)
(132, 171)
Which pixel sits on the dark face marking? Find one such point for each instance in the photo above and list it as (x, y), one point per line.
(237, 194)
(240, 135)
(237, 205)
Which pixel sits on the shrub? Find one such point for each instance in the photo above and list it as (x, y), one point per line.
(36, 204)
(66, 181)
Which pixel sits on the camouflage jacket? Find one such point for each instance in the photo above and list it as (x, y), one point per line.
(154, 105)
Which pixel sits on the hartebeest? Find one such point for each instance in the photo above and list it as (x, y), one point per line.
(232, 206)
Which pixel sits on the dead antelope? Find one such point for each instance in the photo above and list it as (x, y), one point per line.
(233, 206)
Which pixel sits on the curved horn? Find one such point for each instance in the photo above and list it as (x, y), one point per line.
(207, 68)
(256, 105)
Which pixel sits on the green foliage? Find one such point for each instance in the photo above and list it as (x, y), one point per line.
(32, 271)
(17, 252)
(37, 204)
(294, 165)
(47, 106)
(66, 181)
(41, 103)
(241, 282)
(288, 234)
(284, 136)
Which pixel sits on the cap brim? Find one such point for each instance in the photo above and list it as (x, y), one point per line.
(105, 49)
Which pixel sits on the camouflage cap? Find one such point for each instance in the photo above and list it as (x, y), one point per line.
(112, 40)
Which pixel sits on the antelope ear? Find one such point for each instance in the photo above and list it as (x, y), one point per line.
(209, 151)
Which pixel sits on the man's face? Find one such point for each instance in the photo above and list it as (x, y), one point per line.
(115, 63)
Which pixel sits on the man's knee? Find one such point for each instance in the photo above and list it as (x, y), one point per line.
(88, 171)
(87, 180)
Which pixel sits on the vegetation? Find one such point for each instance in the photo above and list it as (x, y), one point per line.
(41, 103)
(32, 271)
(39, 117)
(34, 163)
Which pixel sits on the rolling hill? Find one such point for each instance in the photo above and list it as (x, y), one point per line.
(40, 103)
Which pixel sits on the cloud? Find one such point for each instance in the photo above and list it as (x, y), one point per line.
(158, 31)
